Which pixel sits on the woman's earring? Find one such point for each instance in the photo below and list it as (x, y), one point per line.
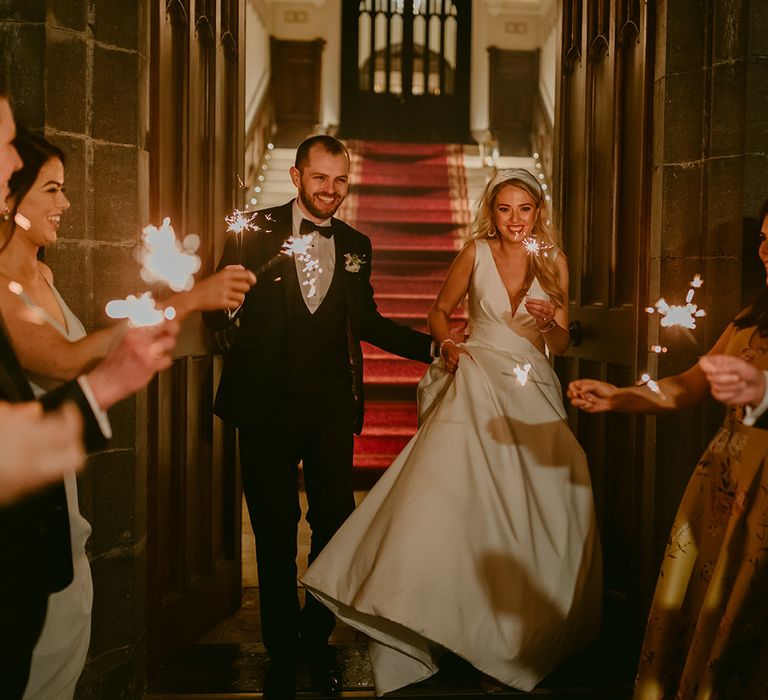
(6, 215)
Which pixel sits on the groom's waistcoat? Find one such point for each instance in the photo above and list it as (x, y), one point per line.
(317, 355)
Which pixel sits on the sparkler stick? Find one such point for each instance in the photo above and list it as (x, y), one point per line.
(38, 314)
(295, 245)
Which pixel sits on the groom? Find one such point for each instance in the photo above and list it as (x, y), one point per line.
(292, 384)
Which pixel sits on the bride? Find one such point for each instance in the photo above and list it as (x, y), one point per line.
(480, 538)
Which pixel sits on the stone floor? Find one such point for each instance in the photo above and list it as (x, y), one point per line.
(230, 662)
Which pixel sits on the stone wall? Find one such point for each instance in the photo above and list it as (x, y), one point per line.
(78, 72)
(710, 174)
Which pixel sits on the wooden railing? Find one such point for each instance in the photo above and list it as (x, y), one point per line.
(543, 137)
(258, 136)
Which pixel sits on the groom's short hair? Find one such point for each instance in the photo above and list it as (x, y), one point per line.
(327, 143)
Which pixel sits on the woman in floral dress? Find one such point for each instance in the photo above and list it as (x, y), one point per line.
(707, 633)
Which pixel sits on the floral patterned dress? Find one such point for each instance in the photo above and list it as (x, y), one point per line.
(707, 634)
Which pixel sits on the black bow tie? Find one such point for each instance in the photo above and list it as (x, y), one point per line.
(308, 226)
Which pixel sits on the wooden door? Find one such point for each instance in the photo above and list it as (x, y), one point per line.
(295, 73)
(513, 92)
(602, 193)
(405, 70)
(193, 518)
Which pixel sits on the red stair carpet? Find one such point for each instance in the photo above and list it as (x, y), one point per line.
(411, 200)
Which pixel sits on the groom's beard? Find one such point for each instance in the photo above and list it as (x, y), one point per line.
(318, 209)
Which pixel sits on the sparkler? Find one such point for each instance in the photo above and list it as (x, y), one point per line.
(140, 311)
(294, 246)
(37, 315)
(535, 247)
(238, 222)
(164, 259)
(680, 316)
(521, 373)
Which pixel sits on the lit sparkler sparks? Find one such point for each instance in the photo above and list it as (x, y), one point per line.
(535, 247)
(38, 314)
(673, 315)
(139, 311)
(521, 373)
(295, 245)
(166, 260)
(239, 222)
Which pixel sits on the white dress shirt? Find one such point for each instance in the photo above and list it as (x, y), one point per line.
(314, 284)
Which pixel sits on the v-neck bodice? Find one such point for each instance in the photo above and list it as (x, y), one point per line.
(491, 318)
(75, 331)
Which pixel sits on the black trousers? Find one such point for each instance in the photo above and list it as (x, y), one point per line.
(317, 430)
(21, 621)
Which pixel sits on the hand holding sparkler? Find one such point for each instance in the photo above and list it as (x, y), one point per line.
(297, 246)
(733, 380)
(543, 312)
(223, 290)
(593, 396)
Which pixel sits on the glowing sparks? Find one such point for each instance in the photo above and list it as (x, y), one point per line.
(164, 259)
(239, 222)
(680, 316)
(295, 246)
(535, 247)
(658, 349)
(139, 311)
(36, 314)
(521, 373)
(299, 247)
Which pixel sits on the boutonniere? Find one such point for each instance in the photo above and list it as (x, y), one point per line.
(353, 262)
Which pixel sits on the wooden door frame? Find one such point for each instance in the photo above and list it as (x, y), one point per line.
(637, 322)
(187, 388)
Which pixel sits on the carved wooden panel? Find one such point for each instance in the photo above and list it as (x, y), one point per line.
(193, 524)
(602, 191)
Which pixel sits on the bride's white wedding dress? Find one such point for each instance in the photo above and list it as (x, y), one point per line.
(480, 538)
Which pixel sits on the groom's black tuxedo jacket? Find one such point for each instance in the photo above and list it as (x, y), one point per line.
(254, 372)
(35, 548)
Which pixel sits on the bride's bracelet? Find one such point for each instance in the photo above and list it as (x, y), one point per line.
(549, 327)
(447, 340)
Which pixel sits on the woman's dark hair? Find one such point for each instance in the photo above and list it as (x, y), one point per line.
(758, 312)
(34, 152)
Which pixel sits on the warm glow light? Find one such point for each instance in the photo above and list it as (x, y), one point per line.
(164, 259)
(139, 311)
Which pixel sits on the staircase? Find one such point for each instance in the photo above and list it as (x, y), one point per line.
(414, 201)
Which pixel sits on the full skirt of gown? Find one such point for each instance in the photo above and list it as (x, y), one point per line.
(480, 538)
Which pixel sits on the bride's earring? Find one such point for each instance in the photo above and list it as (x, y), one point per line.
(6, 215)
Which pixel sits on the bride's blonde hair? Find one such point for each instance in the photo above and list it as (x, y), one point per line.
(540, 265)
